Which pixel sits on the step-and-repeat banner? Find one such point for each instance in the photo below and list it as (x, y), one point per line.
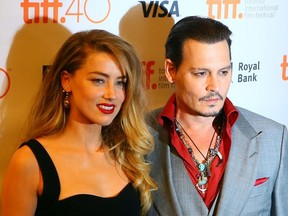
(33, 30)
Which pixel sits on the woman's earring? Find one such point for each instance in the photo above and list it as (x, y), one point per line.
(66, 102)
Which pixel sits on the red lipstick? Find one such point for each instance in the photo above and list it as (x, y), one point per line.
(106, 108)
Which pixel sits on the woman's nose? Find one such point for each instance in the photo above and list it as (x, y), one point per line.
(109, 92)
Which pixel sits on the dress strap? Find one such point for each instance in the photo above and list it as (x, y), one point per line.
(51, 182)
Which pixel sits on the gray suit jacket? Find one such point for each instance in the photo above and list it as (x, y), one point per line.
(259, 149)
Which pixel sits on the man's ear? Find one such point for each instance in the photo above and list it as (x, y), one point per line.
(170, 70)
(65, 81)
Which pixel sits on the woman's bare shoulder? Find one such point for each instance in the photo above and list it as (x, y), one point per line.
(23, 160)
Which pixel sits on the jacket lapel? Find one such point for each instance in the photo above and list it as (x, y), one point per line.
(241, 168)
(175, 195)
(189, 200)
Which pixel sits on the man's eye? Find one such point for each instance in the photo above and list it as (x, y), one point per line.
(100, 81)
(200, 73)
(224, 73)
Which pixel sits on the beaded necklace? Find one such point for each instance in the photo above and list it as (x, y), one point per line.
(204, 166)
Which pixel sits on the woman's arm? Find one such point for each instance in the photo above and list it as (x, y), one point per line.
(21, 182)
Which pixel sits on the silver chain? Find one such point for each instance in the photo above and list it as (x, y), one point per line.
(204, 167)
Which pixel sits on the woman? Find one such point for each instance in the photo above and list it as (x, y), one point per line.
(87, 137)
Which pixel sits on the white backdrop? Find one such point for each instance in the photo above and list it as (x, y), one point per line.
(33, 30)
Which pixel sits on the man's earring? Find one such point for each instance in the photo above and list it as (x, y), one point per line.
(66, 102)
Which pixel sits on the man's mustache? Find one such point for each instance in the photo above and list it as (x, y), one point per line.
(212, 95)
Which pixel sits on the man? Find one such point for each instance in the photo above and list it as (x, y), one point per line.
(212, 158)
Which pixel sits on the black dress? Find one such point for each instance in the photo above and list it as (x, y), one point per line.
(126, 203)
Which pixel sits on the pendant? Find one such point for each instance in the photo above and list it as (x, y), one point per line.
(202, 188)
(202, 180)
(202, 183)
(204, 169)
(201, 167)
(216, 152)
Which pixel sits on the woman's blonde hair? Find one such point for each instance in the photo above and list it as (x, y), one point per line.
(128, 135)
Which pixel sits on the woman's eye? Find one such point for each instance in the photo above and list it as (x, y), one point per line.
(121, 83)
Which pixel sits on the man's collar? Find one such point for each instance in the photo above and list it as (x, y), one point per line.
(168, 113)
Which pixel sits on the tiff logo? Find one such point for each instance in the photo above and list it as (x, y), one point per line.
(149, 71)
(35, 7)
(227, 5)
(284, 66)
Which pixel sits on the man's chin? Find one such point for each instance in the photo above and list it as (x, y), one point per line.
(209, 113)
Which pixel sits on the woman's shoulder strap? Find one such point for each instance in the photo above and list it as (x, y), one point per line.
(51, 183)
